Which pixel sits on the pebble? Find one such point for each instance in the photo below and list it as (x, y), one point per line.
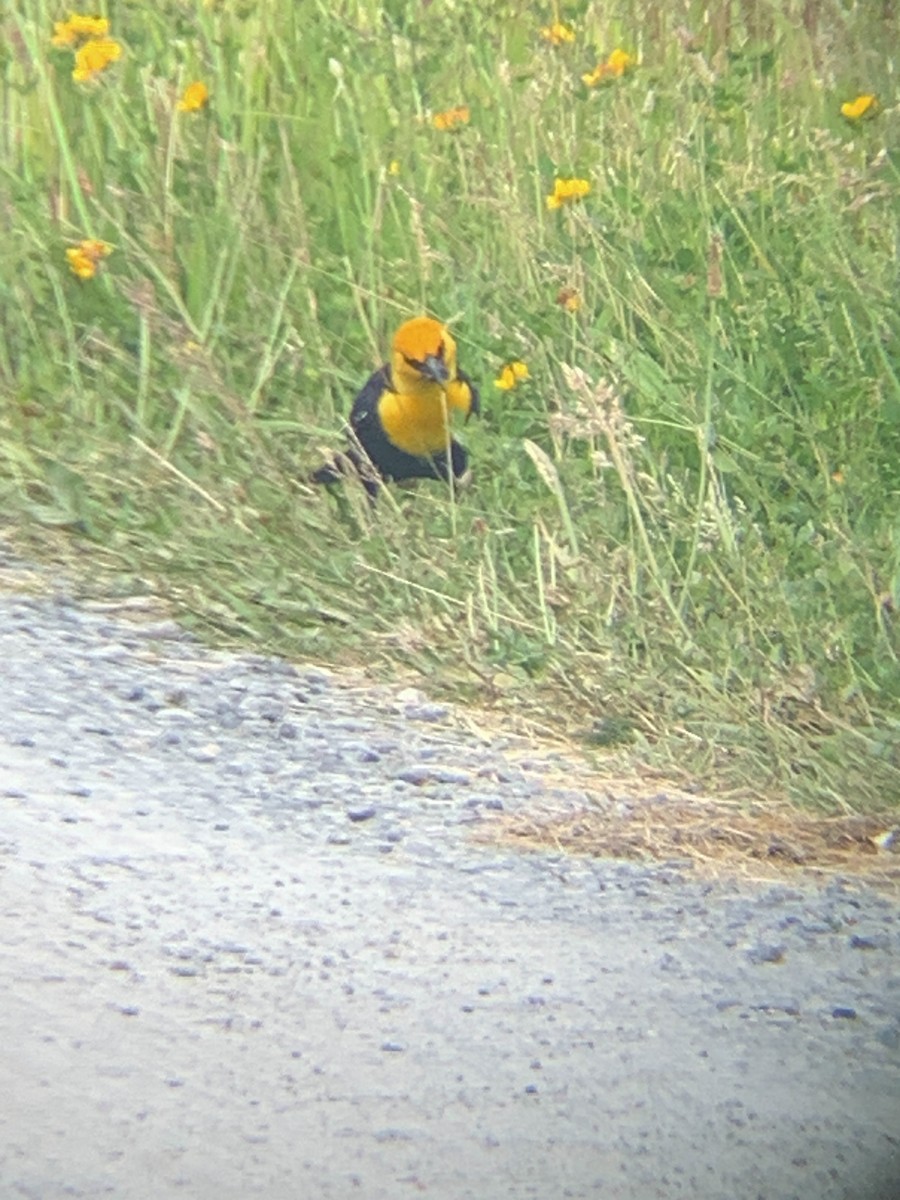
(870, 942)
(362, 814)
(428, 713)
(419, 775)
(767, 952)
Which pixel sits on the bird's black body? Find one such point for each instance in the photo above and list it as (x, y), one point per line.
(374, 457)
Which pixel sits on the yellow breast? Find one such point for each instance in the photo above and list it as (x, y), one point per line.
(417, 421)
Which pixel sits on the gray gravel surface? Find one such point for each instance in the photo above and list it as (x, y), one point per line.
(249, 948)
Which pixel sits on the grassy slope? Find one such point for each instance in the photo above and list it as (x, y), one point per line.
(687, 551)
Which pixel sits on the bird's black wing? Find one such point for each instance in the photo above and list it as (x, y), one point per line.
(373, 456)
(475, 407)
(390, 461)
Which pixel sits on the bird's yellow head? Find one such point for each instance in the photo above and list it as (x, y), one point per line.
(423, 356)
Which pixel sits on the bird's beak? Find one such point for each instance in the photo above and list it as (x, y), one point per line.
(435, 368)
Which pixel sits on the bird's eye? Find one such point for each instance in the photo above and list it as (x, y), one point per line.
(419, 364)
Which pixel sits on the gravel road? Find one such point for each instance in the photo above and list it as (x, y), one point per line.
(249, 948)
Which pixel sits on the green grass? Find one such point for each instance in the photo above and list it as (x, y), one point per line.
(683, 541)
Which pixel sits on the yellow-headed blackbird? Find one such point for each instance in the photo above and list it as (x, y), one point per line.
(398, 423)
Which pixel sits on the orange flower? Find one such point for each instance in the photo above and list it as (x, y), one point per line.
(194, 97)
(862, 107)
(451, 118)
(511, 375)
(567, 191)
(569, 299)
(620, 61)
(84, 258)
(617, 64)
(94, 56)
(558, 33)
(77, 28)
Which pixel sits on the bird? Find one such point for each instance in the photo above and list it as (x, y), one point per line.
(398, 427)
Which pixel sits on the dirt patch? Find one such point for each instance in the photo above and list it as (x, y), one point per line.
(719, 835)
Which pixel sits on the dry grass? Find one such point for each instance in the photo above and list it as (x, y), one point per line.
(629, 821)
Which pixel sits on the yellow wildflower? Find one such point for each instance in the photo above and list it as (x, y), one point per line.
(557, 33)
(863, 106)
(569, 299)
(194, 97)
(620, 61)
(80, 263)
(567, 191)
(84, 258)
(77, 28)
(95, 56)
(511, 374)
(617, 64)
(451, 118)
(394, 167)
